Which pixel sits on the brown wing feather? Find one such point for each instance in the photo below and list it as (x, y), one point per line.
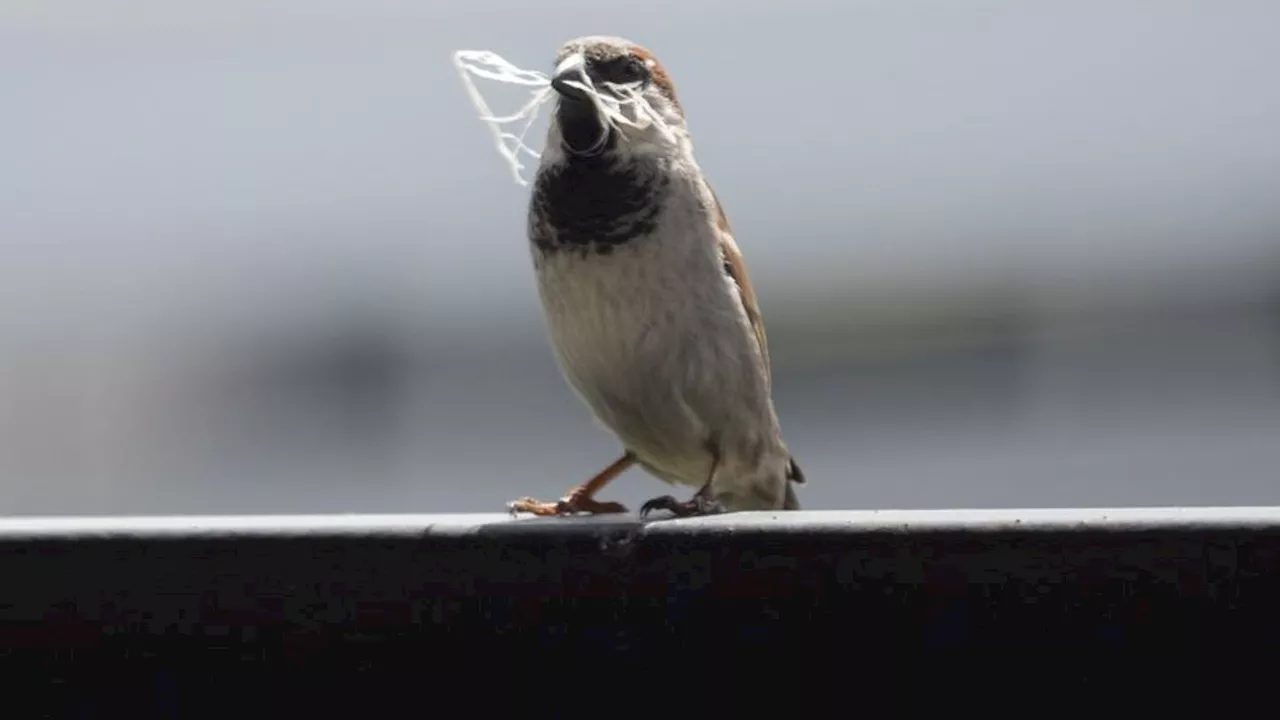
(736, 267)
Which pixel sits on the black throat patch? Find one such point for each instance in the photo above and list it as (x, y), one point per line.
(595, 204)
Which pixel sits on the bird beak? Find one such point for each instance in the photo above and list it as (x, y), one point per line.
(571, 68)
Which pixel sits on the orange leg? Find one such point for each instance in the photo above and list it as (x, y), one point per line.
(582, 498)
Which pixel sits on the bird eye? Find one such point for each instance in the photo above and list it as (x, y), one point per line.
(626, 70)
(633, 69)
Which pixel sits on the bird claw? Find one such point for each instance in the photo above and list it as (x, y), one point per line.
(699, 505)
(569, 505)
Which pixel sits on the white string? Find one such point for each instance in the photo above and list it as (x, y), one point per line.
(610, 105)
(489, 65)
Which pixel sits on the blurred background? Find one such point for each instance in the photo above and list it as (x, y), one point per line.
(262, 257)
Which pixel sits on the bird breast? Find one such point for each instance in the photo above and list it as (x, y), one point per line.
(651, 334)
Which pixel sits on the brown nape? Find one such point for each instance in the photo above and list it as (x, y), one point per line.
(661, 79)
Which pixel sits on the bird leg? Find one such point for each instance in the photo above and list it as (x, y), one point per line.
(700, 504)
(581, 499)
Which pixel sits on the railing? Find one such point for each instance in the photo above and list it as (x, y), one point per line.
(474, 593)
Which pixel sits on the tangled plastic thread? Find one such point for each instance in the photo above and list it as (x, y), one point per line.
(611, 105)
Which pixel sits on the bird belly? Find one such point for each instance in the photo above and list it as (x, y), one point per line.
(660, 358)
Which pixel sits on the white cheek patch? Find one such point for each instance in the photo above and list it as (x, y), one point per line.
(611, 105)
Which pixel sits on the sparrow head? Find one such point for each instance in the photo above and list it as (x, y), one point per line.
(628, 81)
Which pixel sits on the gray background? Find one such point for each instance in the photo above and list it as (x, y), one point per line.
(262, 257)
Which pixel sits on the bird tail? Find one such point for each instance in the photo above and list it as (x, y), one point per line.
(795, 476)
(794, 473)
(791, 502)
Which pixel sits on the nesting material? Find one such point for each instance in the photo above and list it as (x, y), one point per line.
(620, 104)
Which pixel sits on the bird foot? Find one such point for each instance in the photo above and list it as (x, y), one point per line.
(699, 505)
(571, 504)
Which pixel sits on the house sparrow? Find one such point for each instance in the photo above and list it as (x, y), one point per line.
(651, 315)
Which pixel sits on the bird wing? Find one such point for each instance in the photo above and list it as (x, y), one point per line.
(735, 267)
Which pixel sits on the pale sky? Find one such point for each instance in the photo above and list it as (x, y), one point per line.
(162, 153)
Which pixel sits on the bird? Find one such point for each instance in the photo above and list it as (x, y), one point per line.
(650, 312)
